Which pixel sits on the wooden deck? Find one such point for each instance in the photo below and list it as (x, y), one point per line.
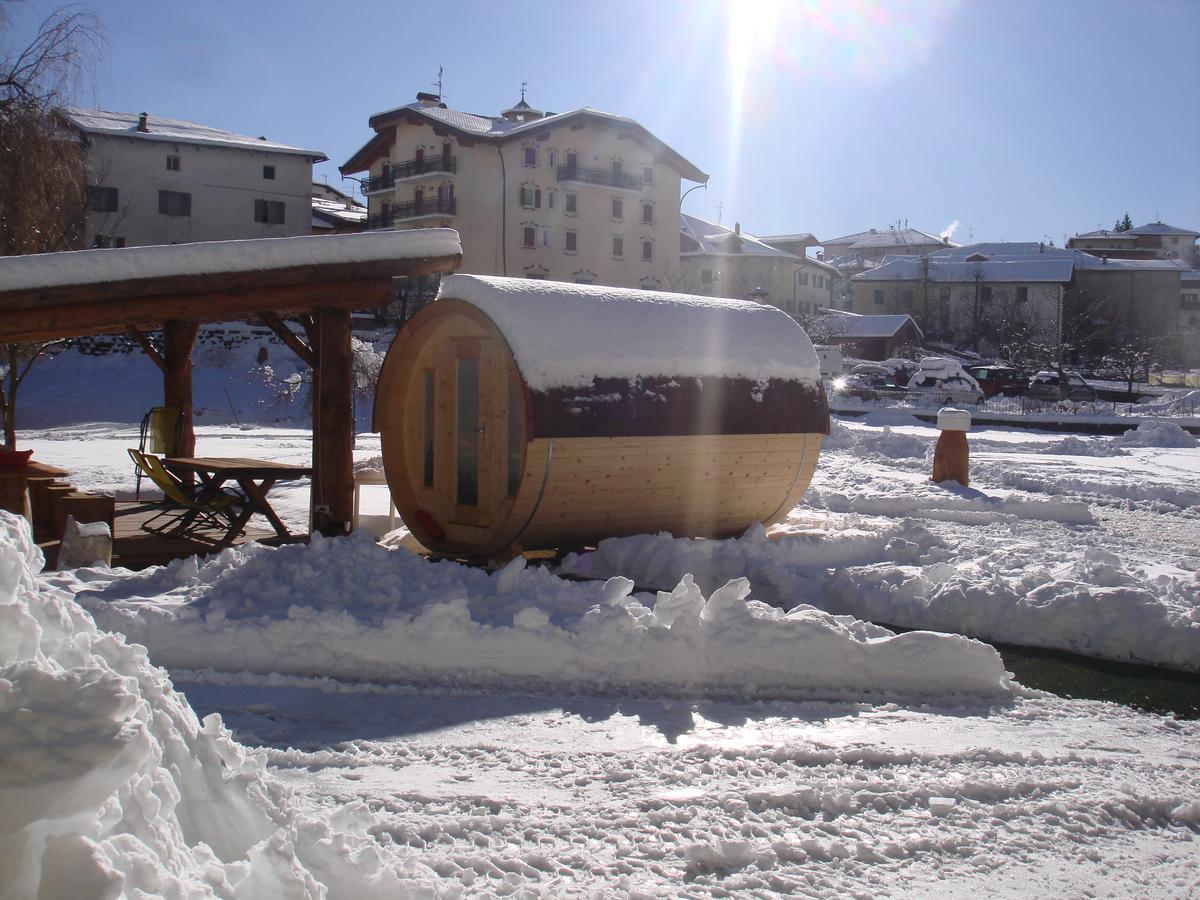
(136, 548)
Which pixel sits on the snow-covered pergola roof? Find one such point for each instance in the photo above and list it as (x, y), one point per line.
(79, 292)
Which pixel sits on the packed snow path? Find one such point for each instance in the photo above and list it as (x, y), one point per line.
(560, 796)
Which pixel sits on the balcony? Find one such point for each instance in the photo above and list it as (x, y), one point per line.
(603, 177)
(433, 208)
(410, 170)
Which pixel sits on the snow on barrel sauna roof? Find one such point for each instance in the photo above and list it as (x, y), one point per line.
(49, 270)
(565, 335)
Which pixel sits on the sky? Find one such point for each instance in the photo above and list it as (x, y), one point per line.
(1008, 120)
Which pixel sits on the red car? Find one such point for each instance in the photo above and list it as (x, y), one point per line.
(1006, 380)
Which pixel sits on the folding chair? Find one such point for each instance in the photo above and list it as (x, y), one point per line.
(188, 511)
(161, 430)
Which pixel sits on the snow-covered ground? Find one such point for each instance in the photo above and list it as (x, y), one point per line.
(400, 727)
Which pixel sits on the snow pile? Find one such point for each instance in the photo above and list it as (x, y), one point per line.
(1157, 434)
(353, 610)
(563, 335)
(110, 786)
(898, 575)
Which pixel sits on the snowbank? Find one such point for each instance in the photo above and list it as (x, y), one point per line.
(110, 786)
(1092, 605)
(353, 610)
(1157, 434)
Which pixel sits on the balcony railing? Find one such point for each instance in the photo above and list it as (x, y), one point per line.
(410, 168)
(413, 209)
(603, 177)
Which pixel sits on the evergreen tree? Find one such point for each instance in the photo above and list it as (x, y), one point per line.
(1124, 224)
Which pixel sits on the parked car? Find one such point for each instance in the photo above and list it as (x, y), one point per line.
(1046, 386)
(865, 385)
(1005, 380)
(945, 381)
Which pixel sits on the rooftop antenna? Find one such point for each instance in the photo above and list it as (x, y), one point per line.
(720, 211)
(438, 84)
(523, 84)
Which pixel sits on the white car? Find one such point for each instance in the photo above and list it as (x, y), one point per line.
(945, 381)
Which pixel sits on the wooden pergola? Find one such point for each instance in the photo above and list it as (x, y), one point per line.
(315, 280)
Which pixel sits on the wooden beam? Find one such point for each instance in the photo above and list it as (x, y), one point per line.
(333, 423)
(290, 338)
(151, 351)
(74, 320)
(178, 339)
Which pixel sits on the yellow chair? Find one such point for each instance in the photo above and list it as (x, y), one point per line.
(187, 510)
(161, 431)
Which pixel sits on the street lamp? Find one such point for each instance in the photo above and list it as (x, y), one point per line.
(688, 191)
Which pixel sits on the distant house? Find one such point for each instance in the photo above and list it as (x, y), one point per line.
(335, 212)
(869, 336)
(1152, 241)
(986, 294)
(716, 261)
(152, 180)
(865, 249)
(583, 196)
(1189, 316)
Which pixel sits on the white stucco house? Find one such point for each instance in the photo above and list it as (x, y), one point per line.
(153, 180)
(583, 196)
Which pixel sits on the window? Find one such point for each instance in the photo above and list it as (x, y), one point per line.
(1022, 294)
(878, 298)
(468, 431)
(531, 156)
(618, 207)
(550, 199)
(174, 203)
(647, 213)
(531, 197)
(985, 293)
(648, 175)
(570, 206)
(545, 237)
(269, 173)
(618, 243)
(706, 276)
(427, 437)
(804, 278)
(516, 410)
(647, 250)
(570, 242)
(101, 199)
(530, 237)
(616, 172)
(269, 212)
(554, 159)
(173, 162)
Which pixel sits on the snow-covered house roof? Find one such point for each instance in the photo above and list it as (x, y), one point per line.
(176, 131)
(853, 325)
(704, 238)
(1190, 278)
(1160, 228)
(1108, 235)
(888, 237)
(1020, 270)
(500, 129)
(337, 214)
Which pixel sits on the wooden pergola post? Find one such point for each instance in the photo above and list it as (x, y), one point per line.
(333, 421)
(178, 340)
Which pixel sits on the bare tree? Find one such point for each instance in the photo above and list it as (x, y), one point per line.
(43, 195)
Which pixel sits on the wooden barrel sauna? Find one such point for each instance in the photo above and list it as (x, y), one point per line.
(518, 414)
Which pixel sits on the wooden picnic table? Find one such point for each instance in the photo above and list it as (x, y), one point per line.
(254, 477)
(14, 480)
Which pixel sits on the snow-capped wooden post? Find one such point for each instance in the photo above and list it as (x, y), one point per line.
(950, 456)
(518, 414)
(333, 422)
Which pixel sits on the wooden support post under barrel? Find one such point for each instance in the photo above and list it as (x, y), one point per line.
(178, 339)
(951, 457)
(333, 422)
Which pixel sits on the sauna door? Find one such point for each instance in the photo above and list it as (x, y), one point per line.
(476, 409)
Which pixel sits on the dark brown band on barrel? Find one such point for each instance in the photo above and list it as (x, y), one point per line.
(663, 406)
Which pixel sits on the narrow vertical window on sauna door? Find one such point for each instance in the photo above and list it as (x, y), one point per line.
(427, 436)
(514, 434)
(468, 431)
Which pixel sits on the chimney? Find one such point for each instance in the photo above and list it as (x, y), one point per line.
(142, 127)
(737, 228)
(1041, 246)
(427, 99)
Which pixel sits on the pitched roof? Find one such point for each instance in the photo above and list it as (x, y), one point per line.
(853, 325)
(176, 131)
(497, 128)
(1108, 235)
(888, 237)
(717, 240)
(1160, 228)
